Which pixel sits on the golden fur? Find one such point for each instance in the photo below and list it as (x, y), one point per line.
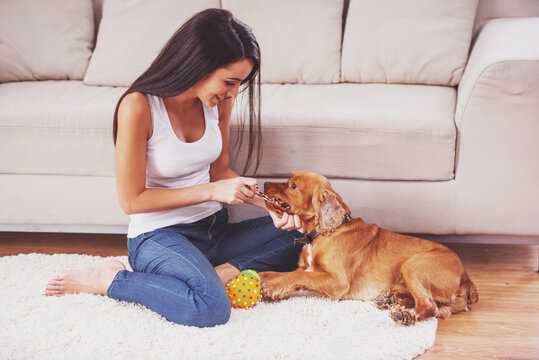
(415, 279)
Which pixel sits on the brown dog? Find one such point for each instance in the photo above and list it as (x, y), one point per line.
(349, 259)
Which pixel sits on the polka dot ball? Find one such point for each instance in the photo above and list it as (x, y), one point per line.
(244, 290)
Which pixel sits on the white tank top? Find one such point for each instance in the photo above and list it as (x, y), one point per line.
(172, 163)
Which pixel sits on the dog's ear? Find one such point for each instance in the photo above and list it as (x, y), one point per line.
(329, 210)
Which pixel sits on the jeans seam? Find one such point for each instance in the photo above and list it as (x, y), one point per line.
(237, 264)
(190, 263)
(109, 290)
(132, 259)
(214, 220)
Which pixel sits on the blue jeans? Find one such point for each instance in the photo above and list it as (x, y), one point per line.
(174, 271)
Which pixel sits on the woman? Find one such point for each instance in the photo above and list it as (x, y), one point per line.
(172, 164)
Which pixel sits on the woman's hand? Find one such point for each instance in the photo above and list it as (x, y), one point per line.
(287, 222)
(233, 191)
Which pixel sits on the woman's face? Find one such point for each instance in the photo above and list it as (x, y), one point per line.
(223, 83)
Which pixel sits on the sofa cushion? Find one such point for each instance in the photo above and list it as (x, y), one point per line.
(57, 127)
(384, 44)
(300, 40)
(357, 131)
(41, 40)
(131, 34)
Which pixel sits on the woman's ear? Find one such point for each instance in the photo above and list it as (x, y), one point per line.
(329, 211)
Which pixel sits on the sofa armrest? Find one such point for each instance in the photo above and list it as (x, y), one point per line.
(497, 120)
(500, 43)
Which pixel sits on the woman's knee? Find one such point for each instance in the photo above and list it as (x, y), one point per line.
(217, 307)
(211, 303)
(220, 311)
(207, 311)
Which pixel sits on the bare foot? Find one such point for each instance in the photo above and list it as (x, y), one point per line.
(93, 280)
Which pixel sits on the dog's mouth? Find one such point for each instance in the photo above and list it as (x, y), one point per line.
(280, 204)
(275, 202)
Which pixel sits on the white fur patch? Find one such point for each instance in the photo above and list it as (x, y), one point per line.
(309, 257)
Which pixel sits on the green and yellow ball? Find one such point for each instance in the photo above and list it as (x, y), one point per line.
(244, 290)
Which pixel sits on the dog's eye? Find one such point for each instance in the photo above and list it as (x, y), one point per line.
(293, 185)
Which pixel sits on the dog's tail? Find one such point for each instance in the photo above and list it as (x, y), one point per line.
(469, 288)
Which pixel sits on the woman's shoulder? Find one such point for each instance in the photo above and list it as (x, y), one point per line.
(135, 109)
(135, 103)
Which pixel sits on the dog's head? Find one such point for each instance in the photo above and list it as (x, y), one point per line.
(312, 198)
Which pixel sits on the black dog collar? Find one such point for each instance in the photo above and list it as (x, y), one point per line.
(309, 238)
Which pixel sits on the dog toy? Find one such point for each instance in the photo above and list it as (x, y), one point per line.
(244, 290)
(273, 201)
(251, 273)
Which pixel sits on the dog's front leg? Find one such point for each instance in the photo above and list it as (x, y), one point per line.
(277, 285)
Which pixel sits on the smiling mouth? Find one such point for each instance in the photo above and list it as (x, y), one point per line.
(221, 98)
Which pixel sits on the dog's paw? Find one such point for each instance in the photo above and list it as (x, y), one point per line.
(385, 300)
(402, 315)
(271, 288)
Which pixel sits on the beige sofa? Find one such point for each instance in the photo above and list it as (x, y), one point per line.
(425, 114)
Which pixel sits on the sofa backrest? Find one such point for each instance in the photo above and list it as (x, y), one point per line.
(407, 42)
(45, 40)
(306, 71)
(131, 34)
(300, 40)
(486, 10)
(493, 9)
(382, 44)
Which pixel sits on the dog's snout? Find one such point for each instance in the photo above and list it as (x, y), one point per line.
(266, 185)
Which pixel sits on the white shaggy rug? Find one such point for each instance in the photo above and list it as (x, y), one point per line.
(33, 326)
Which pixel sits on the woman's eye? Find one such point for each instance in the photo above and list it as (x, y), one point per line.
(293, 185)
(229, 83)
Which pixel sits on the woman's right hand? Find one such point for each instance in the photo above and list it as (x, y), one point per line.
(234, 190)
(287, 222)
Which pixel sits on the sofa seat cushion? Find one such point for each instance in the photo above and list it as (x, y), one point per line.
(57, 127)
(358, 131)
(364, 131)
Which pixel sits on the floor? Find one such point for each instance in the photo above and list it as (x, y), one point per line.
(503, 325)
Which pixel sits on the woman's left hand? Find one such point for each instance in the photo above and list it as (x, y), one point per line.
(287, 222)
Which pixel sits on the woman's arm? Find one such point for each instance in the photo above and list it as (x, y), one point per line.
(220, 169)
(134, 130)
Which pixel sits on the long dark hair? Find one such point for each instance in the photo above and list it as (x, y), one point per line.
(209, 40)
